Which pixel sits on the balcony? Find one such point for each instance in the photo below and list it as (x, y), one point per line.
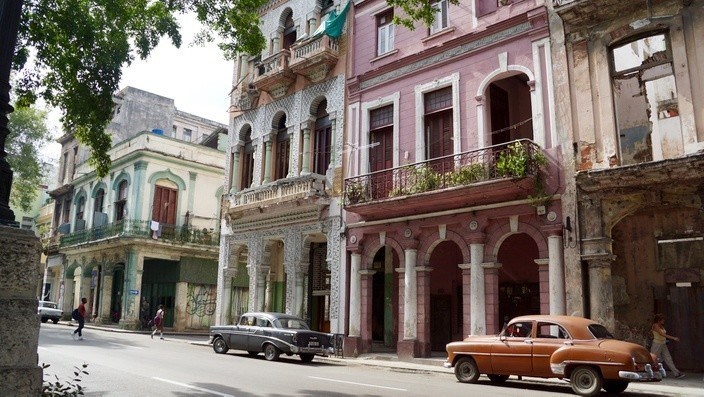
(273, 74)
(586, 13)
(313, 58)
(498, 173)
(141, 230)
(302, 190)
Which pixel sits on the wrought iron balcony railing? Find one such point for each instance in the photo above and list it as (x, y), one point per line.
(517, 159)
(142, 229)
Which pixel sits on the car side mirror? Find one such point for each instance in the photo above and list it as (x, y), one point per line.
(569, 343)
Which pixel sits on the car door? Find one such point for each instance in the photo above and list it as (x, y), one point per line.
(548, 338)
(511, 354)
(240, 335)
(259, 333)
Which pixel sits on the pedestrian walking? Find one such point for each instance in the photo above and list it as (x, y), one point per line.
(79, 314)
(159, 322)
(659, 346)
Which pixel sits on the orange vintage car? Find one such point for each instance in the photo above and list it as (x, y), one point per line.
(572, 348)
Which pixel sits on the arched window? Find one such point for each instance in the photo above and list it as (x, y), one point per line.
(98, 203)
(247, 153)
(283, 149)
(121, 202)
(80, 208)
(289, 32)
(323, 137)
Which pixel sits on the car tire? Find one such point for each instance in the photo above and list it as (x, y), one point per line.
(498, 378)
(615, 386)
(252, 353)
(271, 352)
(55, 321)
(306, 358)
(586, 381)
(44, 319)
(219, 346)
(466, 370)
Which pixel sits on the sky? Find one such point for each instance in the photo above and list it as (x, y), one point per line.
(198, 79)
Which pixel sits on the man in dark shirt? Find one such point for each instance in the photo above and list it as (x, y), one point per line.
(80, 315)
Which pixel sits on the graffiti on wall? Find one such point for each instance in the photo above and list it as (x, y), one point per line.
(200, 305)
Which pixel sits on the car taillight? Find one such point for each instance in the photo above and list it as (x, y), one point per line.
(294, 338)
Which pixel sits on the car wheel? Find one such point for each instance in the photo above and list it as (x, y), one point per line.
(271, 352)
(55, 321)
(306, 358)
(498, 378)
(615, 386)
(220, 346)
(252, 353)
(44, 319)
(586, 381)
(466, 370)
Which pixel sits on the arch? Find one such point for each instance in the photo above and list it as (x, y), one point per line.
(98, 186)
(287, 12)
(245, 132)
(167, 175)
(80, 193)
(315, 104)
(277, 119)
(122, 176)
(375, 245)
(432, 240)
(500, 73)
(498, 233)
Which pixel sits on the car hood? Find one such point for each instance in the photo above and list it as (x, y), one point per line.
(641, 354)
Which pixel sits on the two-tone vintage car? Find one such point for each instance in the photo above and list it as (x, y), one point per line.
(273, 334)
(566, 347)
(49, 311)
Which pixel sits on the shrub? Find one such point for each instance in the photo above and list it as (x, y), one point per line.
(71, 387)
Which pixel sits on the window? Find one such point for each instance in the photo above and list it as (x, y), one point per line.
(173, 132)
(438, 124)
(441, 17)
(645, 99)
(519, 330)
(289, 32)
(121, 203)
(551, 331)
(283, 149)
(247, 162)
(187, 134)
(381, 147)
(385, 32)
(99, 199)
(80, 208)
(27, 222)
(323, 136)
(64, 166)
(484, 7)
(164, 205)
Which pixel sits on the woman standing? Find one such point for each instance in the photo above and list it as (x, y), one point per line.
(659, 347)
(159, 322)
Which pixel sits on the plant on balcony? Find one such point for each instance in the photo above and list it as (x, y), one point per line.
(423, 179)
(516, 161)
(466, 175)
(356, 192)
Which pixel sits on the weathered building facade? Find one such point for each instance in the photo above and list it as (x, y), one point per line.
(281, 236)
(453, 175)
(147, 233)
(630, 86)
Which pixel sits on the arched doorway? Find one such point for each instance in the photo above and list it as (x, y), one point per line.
(319, 285)
(510, 109)
(445, 295)
(519, 282)
(384, 298)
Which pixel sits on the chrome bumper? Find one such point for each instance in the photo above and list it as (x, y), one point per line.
(649, 375)
(322, 351)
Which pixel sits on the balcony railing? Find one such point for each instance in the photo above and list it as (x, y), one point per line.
(142, 229)
(280, 191)
(274, 75)
(517, 159)
(313, 58)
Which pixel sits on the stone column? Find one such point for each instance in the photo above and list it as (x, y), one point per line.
(333, 144)
(262, 287)
(191, 192)
(134, 266)
(305, 161)
(544, 285)
(355, 323)
(366, 281)
(267, 161)
(300, 292)
(601, 294)
(466, 298)
(19, 326)
(254, 258)
(106, 295)
(491, 297)
(477, 303)
(235, 169)
(180, 303)
(140, 168)
(410, 297)
(223, 282)
(557, 275)
(423, 324)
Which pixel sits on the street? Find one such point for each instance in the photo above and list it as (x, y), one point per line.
(128, 364)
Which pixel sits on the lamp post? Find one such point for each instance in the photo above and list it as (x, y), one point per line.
(10, 11)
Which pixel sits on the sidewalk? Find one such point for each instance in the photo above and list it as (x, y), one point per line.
(691, 385)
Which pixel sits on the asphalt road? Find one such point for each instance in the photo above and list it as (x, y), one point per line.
(122, 364)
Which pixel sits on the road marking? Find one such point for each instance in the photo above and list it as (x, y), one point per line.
(357, 383)
(193, 387)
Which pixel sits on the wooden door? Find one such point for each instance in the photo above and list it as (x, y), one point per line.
(438, 139)
(440, 321)
(380, 159)
(164, 209)
(683, 308)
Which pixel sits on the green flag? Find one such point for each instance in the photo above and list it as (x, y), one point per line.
(335, 22)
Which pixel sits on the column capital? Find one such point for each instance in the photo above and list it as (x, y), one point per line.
(465, 266)
(424, 269)
(601, 261)
(491, 265)
(367, 272)
(476, 238)
(542, 261)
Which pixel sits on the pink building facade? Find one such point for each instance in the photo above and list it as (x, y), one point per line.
(453, 180)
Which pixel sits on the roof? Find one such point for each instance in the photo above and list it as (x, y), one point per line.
(576, 326)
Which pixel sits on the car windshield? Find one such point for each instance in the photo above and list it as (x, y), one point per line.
(600, 332)
(292, 323)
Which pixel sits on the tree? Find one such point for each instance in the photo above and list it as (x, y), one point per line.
(415, 11)
(28, 134)
(71, 52)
